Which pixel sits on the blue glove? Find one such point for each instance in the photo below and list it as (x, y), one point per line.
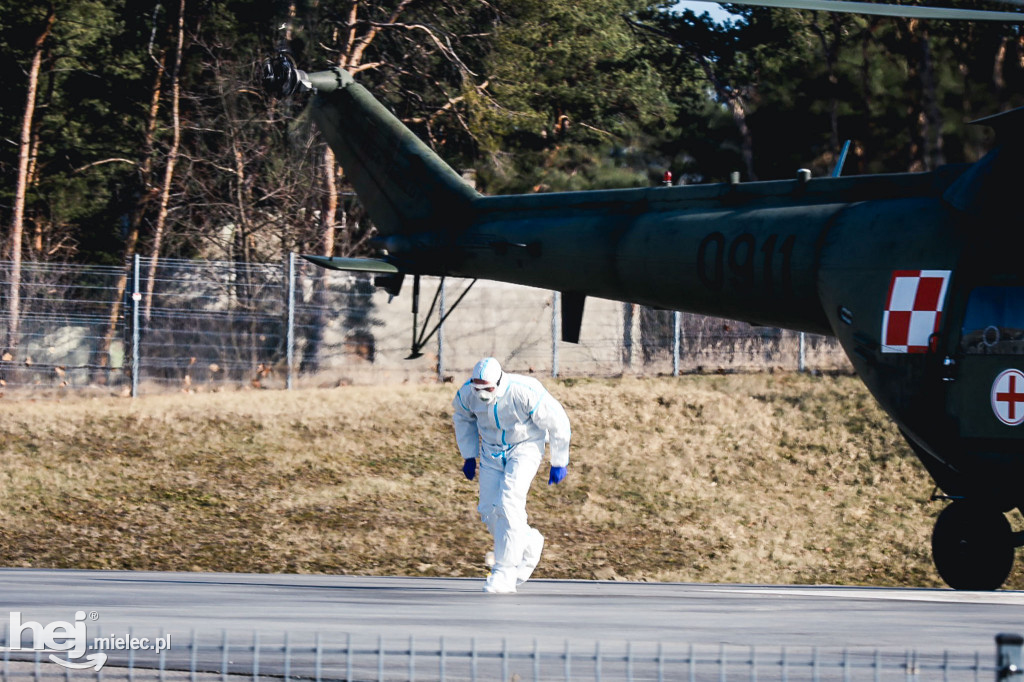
(557, 475)
(469, 468)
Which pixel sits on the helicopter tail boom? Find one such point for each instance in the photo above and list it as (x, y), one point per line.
(404, 185)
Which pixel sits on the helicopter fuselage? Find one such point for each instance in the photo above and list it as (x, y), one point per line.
(828, 256)
(903, 269)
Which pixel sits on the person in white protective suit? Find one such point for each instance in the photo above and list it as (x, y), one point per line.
(504, 419)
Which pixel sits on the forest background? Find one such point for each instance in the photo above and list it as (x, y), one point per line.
(134, 126)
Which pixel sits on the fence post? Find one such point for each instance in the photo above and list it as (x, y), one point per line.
(630, 335)
(676, 336)
(802, 363)
(255, 656)
(1008, 656)
(290, 331)
(136, 299)
(556, 301)
(440, 333)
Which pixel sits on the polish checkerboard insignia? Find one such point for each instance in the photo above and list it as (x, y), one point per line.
(1008, 397)
(913, 309)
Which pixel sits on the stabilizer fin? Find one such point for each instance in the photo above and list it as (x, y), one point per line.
(354, 264)
(387, 276)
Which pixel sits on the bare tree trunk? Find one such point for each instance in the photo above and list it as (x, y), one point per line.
(998, 77)
(30, 180)
(328, 219)
(135, 226)
(351, 57)
(934, 152)
(329, 216)
(865, 69)
(21, 188)
(736, 102)
(830, 52)
(172, 158)
(243, 239)
(924, 115)
(739, 115)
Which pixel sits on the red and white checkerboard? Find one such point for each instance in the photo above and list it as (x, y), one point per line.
(913, 309)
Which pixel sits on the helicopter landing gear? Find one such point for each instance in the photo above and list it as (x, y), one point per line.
(972, 546)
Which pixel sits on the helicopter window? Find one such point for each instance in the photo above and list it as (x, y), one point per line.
(994, 321)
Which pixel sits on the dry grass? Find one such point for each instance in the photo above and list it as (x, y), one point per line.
(760, 478)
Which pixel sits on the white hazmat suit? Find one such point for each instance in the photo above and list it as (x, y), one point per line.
(505, 419)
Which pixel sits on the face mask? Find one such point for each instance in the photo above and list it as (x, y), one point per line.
(486, 397)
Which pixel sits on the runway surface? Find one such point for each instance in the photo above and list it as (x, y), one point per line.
(552, 611)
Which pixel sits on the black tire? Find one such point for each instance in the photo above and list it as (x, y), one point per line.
(972, 547)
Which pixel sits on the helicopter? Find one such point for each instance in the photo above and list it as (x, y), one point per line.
(895, 266)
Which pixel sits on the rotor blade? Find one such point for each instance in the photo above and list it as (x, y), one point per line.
(889, 10)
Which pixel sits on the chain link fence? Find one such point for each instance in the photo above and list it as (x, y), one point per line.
(208, 657)
(201, 325)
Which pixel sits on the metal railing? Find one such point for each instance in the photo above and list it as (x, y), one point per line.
(319, 657)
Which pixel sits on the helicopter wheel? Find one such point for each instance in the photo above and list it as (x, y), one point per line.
(972, 547)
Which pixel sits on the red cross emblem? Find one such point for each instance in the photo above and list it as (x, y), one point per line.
(1008, 397)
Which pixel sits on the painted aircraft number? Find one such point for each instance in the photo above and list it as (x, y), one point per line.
(721, 262)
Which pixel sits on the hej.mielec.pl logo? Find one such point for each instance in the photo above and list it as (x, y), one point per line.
(72, 640)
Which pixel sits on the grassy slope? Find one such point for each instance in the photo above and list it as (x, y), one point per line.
(740, 478)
